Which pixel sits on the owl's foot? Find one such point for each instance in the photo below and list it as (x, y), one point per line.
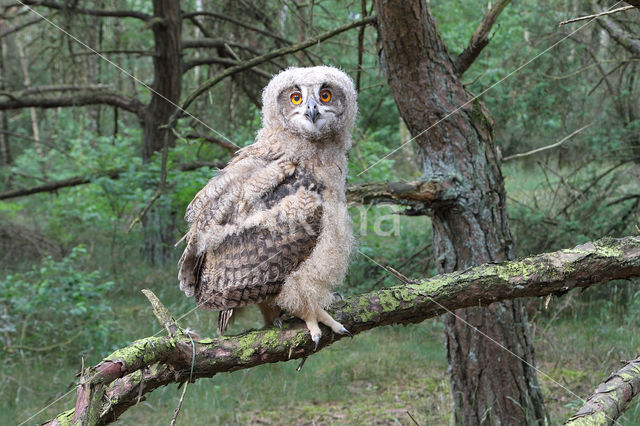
(278, 323)
(271, 315)
(326, 319)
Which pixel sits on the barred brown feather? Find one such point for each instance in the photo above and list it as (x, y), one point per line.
(251, 267)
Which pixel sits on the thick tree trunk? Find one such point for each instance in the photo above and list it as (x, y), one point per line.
(159, 223)
(489, 384)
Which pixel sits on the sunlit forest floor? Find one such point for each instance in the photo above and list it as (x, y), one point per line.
(387, 375)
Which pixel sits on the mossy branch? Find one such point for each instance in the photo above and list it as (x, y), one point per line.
(611, 398)
(158, 361)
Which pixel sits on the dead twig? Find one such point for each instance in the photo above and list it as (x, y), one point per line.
(597, 15)
(177, 410)
(548, 147)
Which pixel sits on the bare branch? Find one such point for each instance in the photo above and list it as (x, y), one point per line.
(95, 12)
(224, 144)
(611, 398)
(83, 180)
(548, 147)
(597, 15)
(221, 61)
(80, 99)
(265, 58)
(22, 26)
(237, 22)
(480, 38)
(162, 314)
(420, 195)
(58, 88)
(118, 52)
(205, 43)
(626, 40)
(169, 359)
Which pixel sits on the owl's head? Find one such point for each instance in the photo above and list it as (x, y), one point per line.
(315, 102)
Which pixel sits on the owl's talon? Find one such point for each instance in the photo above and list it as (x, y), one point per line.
(336, 294)
(345, 331)
(316, 339)
(278, 323)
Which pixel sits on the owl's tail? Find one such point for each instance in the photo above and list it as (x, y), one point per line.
(223, 320)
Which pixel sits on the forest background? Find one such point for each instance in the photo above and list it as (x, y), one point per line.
(91, 207)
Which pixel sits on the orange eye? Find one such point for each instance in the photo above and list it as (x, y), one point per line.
(325, 96)
(296, 98)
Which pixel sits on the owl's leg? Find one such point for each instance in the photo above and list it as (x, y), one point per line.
(270, 314)
(320, 315)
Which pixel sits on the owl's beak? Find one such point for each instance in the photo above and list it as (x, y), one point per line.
(312, 110)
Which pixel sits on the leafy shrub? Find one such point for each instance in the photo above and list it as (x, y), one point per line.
(56, 305)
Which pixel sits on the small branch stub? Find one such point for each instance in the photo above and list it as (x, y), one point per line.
(162, 314)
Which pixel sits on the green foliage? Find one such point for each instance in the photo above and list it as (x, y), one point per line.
(59, 305)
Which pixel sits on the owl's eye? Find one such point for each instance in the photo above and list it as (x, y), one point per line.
(296, 98)
(325, 96)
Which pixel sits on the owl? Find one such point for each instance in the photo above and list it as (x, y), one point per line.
(272, 228)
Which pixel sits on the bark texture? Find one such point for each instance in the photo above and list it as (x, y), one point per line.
(454, 137)
(116, 383)
(611, 398)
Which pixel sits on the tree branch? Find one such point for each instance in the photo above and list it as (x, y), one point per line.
(20, 27)
(480, 38)
(611, 398)
(626, 40)
(217, 141)
(94, 12)
(83, 180)
(237, 22)
(206, 43)
(221, 61)
(419, 195)
(16, 101)
(597, 15)
(57, 88)
(546, 148)
(169, 359)
(265, 58)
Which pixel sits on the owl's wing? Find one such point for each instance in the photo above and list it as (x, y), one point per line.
(250, 230)
(251, 266)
